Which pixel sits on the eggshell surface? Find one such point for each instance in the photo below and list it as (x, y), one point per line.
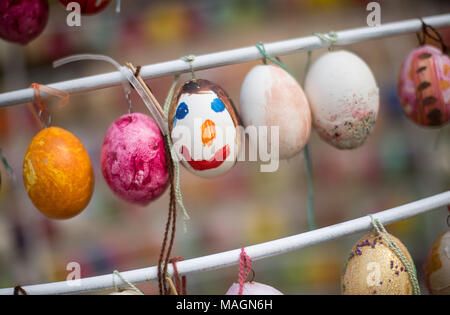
(344, 99)
(57, 173)
(133, 159)
(437, 266)
(253, 288)
(272, 97)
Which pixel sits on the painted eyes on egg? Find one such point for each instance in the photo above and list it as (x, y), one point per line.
(182, 111)
(217, 105)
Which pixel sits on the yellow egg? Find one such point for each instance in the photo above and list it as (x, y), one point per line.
(373, 268)
(437, 266)
(57, 173)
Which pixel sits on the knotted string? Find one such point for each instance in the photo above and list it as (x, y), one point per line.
(245, 265)
(330, 38)
(180, 282)
(430, 32)
(190, 59)
(132, 286)
(308, 164)
(410, 268)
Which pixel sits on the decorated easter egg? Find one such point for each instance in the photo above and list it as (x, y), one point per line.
(437, 266)
(253, 288)
(133, 159)
(373, 268)
(88, 6)
(57, 173)
(344, 99)
(203, 129)
(272, 97)
(424, 86)
(22, 20)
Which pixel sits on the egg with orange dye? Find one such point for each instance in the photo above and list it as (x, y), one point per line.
(57, 173)
(437, 266)
(271, 97)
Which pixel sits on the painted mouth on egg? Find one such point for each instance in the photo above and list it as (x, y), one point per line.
(219, 157)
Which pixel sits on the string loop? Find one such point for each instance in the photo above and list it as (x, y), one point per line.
(430, 32)
(190, 59)
(132, 286)
(245, 265)
(330, 38)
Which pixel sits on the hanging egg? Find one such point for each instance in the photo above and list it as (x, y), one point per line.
(22, 20)
(125, 292)
(88, 6)
(424, 86)
(253, 288)
(344, 99)
(203, 126)
(437, 266)
(373, 268)
(57, 173)
(272, 97)
(133, 159)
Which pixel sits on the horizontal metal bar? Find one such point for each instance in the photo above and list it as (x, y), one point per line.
(256, 252)
(234, 56)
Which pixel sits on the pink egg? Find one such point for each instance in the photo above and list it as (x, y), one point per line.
(22, 20)
(253, 288)
(424, 86)
(133, 159)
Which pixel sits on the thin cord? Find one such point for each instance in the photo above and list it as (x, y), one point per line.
(190, 59)
(245, 265)
(330, 38)
(117, 273)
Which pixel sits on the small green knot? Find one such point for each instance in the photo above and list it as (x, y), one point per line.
(330, 38)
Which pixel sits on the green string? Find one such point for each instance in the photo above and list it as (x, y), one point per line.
(117, 273)
(6, 164)
(308, 166)
(330, 38)
(176, 165)
(410, 268)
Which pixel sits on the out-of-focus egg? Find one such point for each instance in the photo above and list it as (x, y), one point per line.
(203, 125)
(253, 288)
(424, 86)
(133, 159)
(373, 268)
(88, 6)
(272, 97)
(22, 20)
(343, 97)
(437, 266)
(57, 173)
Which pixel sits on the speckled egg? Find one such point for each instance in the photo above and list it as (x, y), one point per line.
(437, 266)
(372, 268)
(253, 288)
(344, 99)
(272, 97)
(424, 86)
(22, 20)
(57, 173)
(133, 159)
(88, 6)
(202, 122)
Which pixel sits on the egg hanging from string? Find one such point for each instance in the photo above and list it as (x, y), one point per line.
(372, 268)
(57, 173)
(344, 99)
(88, 7)
(424, 86)
(253, 288)
(437, 266)
(22, 20)
(271, 97)
(203, 125)
(133, 159)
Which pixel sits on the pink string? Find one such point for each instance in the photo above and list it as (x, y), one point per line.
(245, 265)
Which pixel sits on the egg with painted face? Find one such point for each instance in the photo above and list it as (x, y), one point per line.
(424, 86)
(203, 126)
(344, 99)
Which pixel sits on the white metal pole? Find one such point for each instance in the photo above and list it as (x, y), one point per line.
(256, 252)
(234, 56)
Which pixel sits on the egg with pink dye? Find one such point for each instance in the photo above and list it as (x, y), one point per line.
(344, 99)
(133, 159)
(424, 86)
(272, 97)
(253, 288)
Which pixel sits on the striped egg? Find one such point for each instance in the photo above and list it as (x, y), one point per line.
(424, 86)
(344, 99)
(271, 97)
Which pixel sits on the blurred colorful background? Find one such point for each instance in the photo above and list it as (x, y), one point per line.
(401, 162)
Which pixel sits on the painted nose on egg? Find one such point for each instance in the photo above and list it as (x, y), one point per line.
(208, 132)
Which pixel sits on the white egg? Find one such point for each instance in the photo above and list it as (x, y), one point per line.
(253, 288)
(344, 98)
(272, 97)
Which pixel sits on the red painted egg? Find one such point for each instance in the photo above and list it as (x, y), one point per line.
(88, 6)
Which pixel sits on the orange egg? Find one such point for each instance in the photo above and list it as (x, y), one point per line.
(57, 173)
